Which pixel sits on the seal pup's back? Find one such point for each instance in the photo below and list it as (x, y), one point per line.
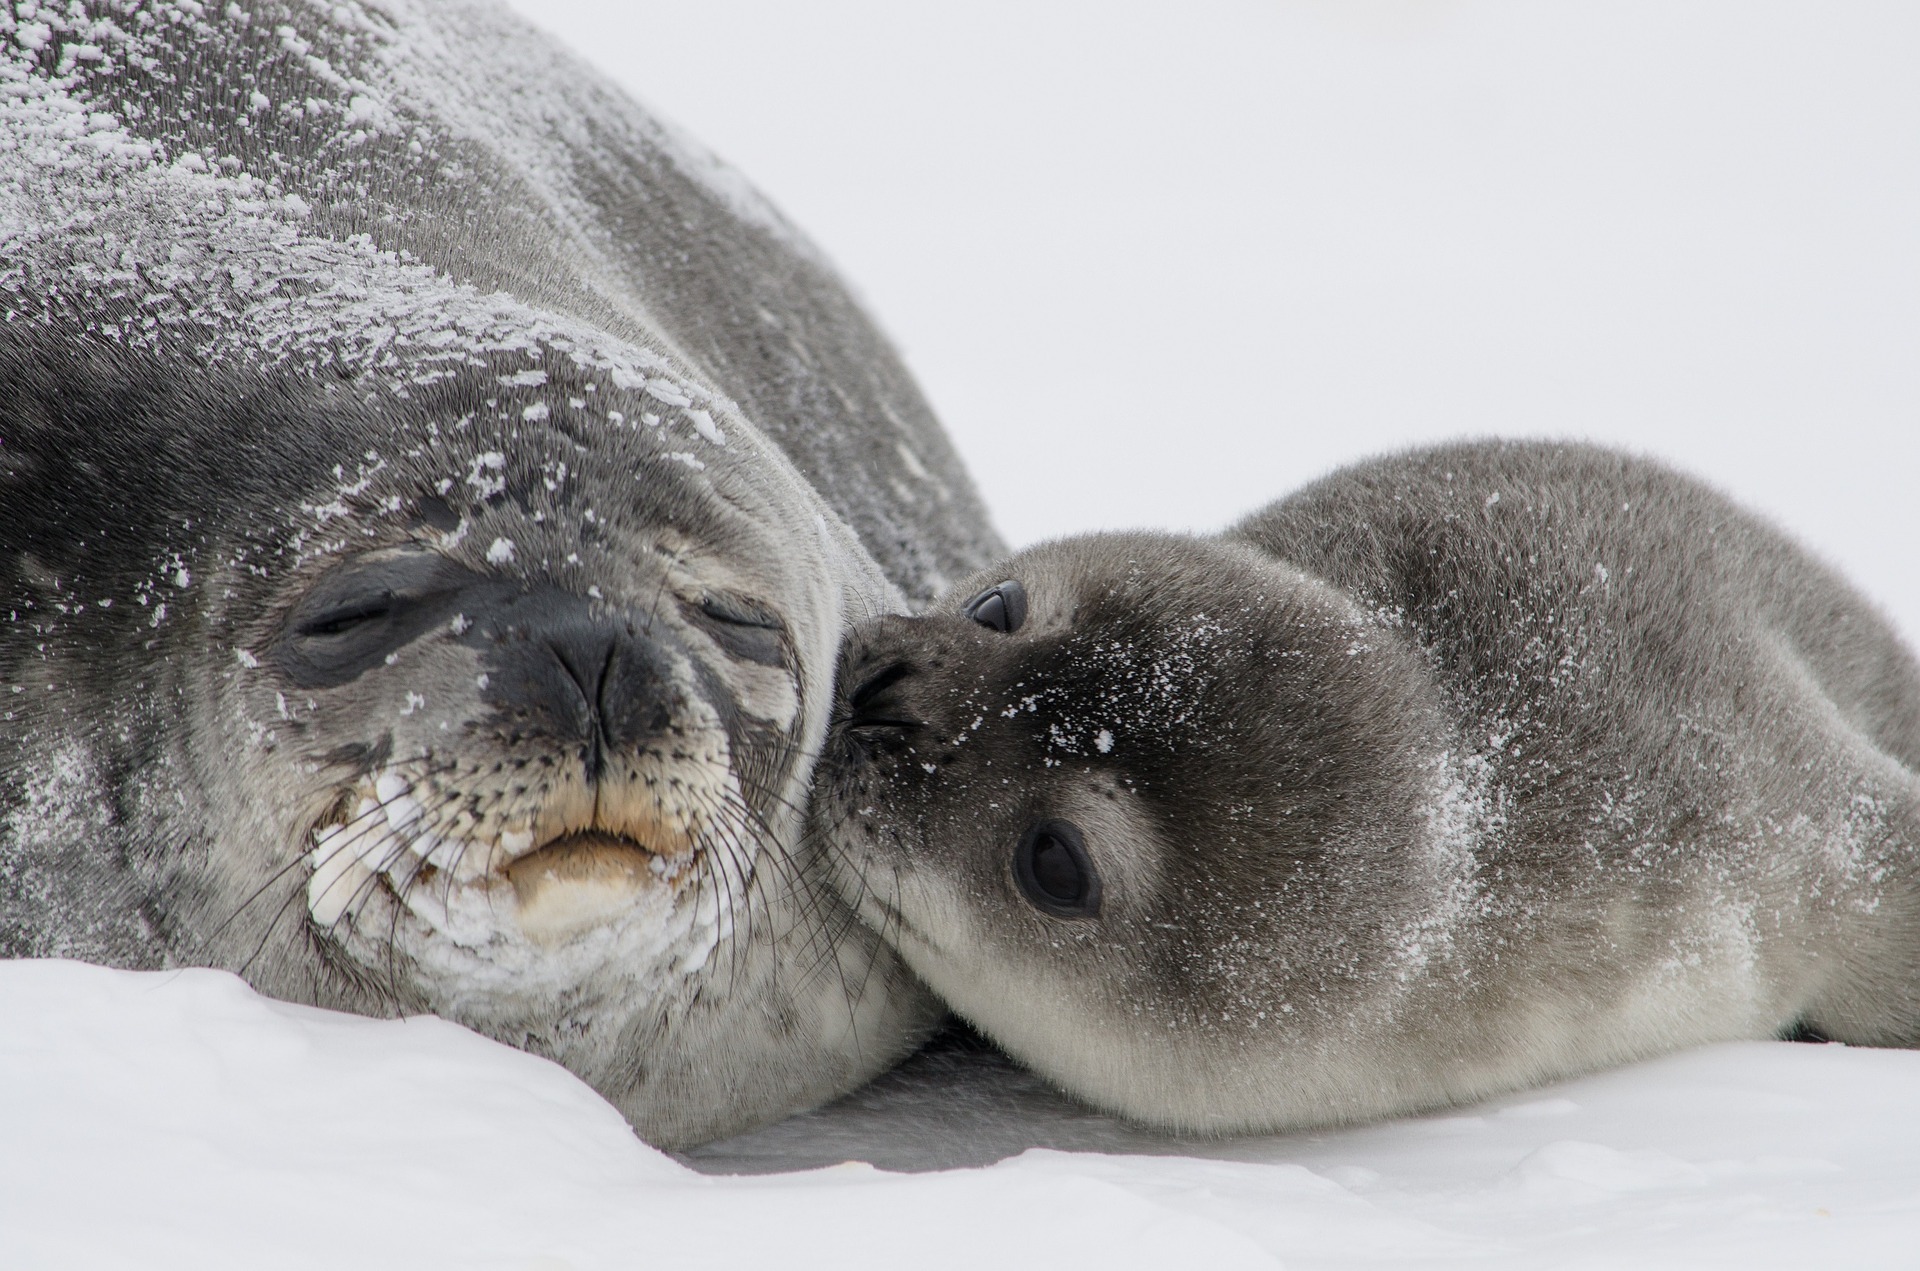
(1455, 772)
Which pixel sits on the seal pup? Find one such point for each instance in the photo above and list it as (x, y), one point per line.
(1455, 772)
(433, 497)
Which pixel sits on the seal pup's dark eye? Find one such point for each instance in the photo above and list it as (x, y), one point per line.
(1002, 606)
(1054, 871)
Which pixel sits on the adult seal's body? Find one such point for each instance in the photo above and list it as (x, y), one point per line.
(433, 495)
(1453, 773)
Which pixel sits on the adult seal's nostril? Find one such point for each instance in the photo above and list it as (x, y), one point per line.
(588, 672)
(586, 665)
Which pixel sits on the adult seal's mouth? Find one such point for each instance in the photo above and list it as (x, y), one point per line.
(550, 890)
(434, 497)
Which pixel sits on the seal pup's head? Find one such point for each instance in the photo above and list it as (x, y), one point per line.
(1150, 811)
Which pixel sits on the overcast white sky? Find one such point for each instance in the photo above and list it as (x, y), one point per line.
(1158, 263)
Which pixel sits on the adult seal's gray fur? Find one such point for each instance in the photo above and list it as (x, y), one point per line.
(433, 496)
(1455, 772)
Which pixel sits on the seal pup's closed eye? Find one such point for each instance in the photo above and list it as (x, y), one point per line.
(1456, 772)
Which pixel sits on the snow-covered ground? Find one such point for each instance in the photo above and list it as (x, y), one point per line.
(178, 1120)
(1157, 263)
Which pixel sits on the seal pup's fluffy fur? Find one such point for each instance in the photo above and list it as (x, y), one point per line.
(1455, 772)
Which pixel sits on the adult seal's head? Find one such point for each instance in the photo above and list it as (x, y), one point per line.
(434, 498)
(1456, 772)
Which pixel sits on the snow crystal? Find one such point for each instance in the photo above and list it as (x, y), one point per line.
(704, 425)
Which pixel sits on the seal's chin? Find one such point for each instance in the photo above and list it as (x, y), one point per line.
(474, 882)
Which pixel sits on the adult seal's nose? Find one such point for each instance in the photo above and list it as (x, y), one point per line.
(581, 675)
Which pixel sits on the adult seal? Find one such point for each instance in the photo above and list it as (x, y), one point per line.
(434, 494)
(1456, 772)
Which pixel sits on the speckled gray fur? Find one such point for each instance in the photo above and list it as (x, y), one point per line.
(288, 290)
(1455, 772)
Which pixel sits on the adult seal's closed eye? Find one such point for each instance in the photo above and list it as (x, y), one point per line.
(1455, 772)
(434, 494)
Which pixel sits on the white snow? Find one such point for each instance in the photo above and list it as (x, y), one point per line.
(161, 1120)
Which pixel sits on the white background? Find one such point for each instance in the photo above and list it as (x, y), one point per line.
(1156, 264)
